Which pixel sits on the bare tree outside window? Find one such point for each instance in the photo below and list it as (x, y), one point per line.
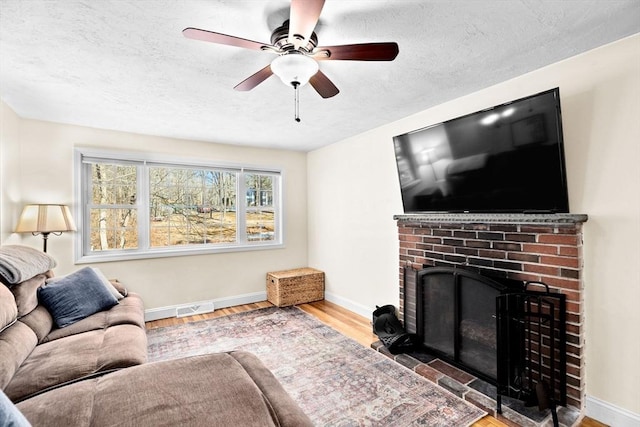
(113, 217)
(192, 206)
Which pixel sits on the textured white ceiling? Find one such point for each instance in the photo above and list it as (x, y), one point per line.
(125, 65)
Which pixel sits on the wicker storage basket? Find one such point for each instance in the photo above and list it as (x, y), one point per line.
(298, 286)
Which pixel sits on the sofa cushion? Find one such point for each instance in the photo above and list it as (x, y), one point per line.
(76, 356)
(26, 294)
(8, 307)
(219, 389)
(16, 343)
(75, 297)
(19, 263)
(128, 311)
(40, 322)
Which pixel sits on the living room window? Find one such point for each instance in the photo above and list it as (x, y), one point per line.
(142, 206)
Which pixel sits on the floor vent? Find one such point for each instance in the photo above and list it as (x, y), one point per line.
(190, 310)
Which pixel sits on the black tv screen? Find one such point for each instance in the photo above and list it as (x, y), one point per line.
(508, 158)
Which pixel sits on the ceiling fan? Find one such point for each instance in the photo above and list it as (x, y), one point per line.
(296, 45)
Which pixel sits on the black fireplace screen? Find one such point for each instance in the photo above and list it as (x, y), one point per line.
(507, 333)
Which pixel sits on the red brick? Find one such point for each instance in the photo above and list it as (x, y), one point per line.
(573, 329)
(464, 234)
(410, 238)
(428, 372)
(573, 317)
(492, 254)
(455, 373)
(507, 246)
(523, 257)
(424, 246)
(513, 266)
(568, 251)
(467, 251)
(433, 240)
(407, 244)
(490, 236)
(542, 269)
(564, 284)
(520, 237)
(573, 402)
(540, 249)
(561, 261)
(573, 307)
(434, 255)
(458, 259)
(523, 277)
(558, 239)
(569, 273)
(453, 242)
(478, 244)
(422, 231)
(572, 296)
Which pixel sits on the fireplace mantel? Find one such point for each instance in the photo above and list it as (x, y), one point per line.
(493, 218)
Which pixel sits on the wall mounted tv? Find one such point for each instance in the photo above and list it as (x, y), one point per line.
(506, 159)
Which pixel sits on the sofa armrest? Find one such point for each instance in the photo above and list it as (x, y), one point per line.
(213, 390)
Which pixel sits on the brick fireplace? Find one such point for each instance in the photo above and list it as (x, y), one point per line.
(545, 248)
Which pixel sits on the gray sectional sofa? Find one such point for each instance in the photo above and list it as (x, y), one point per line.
(61, 368)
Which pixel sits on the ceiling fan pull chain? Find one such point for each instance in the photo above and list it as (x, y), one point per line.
(296, 100)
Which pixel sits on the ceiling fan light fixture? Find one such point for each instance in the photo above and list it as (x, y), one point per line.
(294, 68)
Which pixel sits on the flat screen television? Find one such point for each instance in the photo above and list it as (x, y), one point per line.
(505, 159)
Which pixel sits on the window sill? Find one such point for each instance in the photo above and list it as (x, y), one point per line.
(165, 253)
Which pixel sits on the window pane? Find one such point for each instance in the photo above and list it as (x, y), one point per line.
(260, 226)
(260, 218)
(259, 190)
(113, 229)
(191, 206)
(113, 184)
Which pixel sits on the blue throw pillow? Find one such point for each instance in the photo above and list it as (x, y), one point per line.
(75, 297)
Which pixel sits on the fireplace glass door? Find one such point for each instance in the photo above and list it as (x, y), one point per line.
(457, 318)
(477, 335)
(438, 317)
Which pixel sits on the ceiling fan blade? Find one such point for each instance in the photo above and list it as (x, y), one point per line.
(323, 85)
(303, 18)
(210, 36)
(255, 79)
(358, 52)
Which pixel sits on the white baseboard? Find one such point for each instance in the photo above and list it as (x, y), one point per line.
(170, 311)
(360, 309)
(610, 414)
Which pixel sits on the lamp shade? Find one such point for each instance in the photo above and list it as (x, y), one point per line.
(45, 219)
(294, 68)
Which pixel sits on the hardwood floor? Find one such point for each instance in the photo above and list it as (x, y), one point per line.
(340, 319)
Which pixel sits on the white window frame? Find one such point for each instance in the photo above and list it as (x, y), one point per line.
(83, 254)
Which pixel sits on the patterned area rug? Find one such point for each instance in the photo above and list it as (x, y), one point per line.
(335, 380)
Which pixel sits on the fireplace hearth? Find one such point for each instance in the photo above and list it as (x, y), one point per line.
(507, 250)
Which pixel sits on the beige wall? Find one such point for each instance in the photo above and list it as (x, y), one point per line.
(9, 169)
(352, 235)
(43, 167)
